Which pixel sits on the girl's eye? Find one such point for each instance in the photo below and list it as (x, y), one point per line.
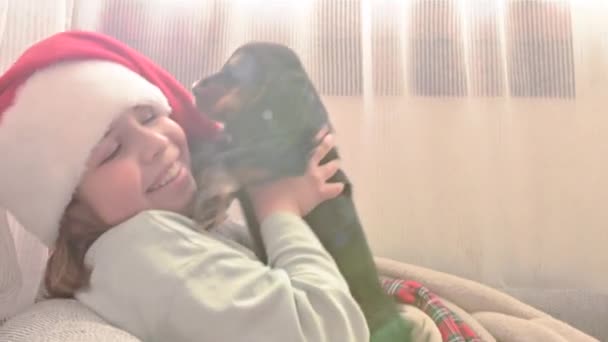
(149, 117)
(111, 155)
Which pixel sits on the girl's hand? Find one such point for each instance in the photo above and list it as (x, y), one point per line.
(300, 195)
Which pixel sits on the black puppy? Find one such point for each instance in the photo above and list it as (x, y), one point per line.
(272, 114)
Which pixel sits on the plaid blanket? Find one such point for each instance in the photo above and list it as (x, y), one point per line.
(451, 327)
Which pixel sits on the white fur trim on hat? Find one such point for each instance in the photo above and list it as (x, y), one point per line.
(59, 115)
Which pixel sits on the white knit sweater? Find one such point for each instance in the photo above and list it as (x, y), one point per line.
(154, 277)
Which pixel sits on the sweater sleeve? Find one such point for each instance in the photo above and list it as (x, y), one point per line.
(161, 281)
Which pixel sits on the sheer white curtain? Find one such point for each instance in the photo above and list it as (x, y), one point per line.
(474, 130)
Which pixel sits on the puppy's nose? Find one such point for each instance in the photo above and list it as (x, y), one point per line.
(199, 85)
(195, 85)
(207, 92)
(206, 81)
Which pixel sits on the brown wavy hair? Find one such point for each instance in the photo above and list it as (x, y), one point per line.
(66, 271)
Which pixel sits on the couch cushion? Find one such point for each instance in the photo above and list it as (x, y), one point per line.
(60, 320)
(585, 310)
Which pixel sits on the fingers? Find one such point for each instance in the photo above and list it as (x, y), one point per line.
(321, 151)
(326, 171)
(331, 190)
(328, 190)
(323, 132)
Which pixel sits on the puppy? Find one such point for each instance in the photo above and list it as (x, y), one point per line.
(271, 114)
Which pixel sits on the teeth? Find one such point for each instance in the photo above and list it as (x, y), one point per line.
(169, 176)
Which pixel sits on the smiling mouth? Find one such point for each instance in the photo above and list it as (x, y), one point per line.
(169, 176)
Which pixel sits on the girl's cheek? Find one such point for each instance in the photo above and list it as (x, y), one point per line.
(115, 193)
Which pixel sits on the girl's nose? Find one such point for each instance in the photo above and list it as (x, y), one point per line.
(153, 144)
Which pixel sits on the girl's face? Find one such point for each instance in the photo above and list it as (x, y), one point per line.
(142, 163)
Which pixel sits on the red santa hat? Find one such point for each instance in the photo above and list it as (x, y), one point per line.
(56, 103)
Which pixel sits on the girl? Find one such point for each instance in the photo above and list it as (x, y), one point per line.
(95, 144)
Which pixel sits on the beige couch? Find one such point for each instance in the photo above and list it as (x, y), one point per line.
(494, 315)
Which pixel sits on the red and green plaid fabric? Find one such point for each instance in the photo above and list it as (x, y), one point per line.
(452, 328)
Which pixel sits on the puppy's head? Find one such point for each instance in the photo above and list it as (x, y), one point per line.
(270, 109)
